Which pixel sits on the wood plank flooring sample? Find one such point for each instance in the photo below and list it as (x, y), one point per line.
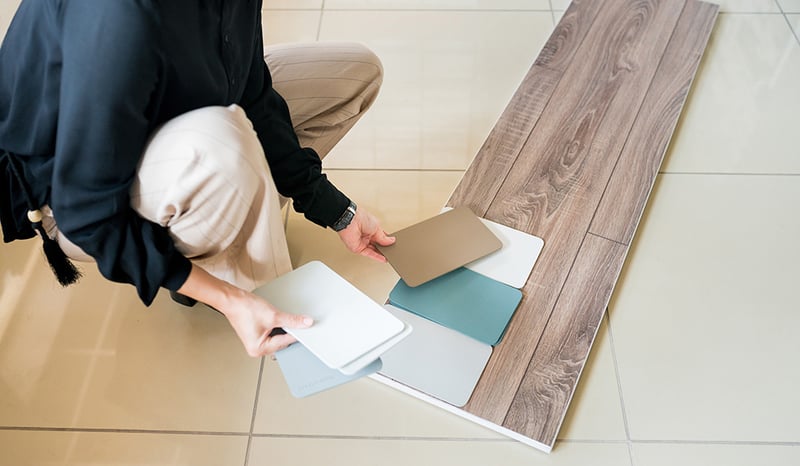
(558, 177)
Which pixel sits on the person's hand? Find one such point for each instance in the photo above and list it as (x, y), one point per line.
(363, 233)
(251, 317)
(253, 320)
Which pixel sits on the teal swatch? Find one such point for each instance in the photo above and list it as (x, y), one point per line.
(462, 300)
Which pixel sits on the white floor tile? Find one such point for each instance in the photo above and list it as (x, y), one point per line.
(741, 113)
(448, 76)
(705, 316)
(794, 20)
(93, 356)
(31, 448)
(790, 6)
(289, 26)
(706, 455)
(365, 452)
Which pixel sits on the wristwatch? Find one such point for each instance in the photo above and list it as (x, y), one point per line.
(346, 217)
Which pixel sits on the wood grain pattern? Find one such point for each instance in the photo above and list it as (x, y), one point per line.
(550, 381)
(490, 166)
(568, 34)
(557, 180)
(629, 188)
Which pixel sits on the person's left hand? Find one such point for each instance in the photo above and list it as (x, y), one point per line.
(363, 233)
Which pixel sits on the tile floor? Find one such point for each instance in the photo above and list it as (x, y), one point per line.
(696, 363)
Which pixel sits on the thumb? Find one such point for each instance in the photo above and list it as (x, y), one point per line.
(286, 320)
(382, 239)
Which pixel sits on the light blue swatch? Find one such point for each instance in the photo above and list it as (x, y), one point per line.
(306, 375)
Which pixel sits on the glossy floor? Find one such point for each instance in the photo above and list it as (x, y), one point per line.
(695, 364)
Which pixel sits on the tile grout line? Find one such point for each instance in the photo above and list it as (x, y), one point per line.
(719, 442)
(552, 13)
(386, 438)
(90, 430)
(321, 14)
(625, 424)
(255, 411)
(390, 438)
(727, 174)
(789, 23)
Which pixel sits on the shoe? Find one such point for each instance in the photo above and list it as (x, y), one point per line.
(182, 299)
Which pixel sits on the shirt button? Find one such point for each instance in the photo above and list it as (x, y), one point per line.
(227, 38)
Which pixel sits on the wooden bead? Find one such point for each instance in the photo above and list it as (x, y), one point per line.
(35, 216)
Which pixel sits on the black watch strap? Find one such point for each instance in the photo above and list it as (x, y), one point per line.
(346, 217)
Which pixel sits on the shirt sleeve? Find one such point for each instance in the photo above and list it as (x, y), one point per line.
(109, 77)
(297, 171)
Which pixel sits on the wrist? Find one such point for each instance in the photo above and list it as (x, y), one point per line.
(346, 218)
(207, 289)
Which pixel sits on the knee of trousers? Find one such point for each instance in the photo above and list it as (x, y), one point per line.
(199, 177)
(366, 55)
(374, 75)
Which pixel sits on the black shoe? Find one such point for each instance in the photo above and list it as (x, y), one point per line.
(182, 299)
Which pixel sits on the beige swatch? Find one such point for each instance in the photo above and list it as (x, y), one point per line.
(439, 245)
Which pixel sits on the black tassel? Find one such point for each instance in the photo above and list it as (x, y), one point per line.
(65, 271)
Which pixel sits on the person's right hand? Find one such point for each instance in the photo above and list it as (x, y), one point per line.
(252, 317)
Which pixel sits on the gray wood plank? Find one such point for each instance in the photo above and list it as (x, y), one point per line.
(558, 178)
(568, 35)
(491, 165)
(629, 188)
(550, 380)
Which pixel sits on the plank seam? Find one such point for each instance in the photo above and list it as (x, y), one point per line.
(630, 130)
(547, 322)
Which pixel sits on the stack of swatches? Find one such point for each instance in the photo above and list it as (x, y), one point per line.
(349, 335)
(459, 290)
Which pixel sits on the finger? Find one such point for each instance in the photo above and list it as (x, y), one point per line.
(373, 253)
(274, 344)
(286, 320)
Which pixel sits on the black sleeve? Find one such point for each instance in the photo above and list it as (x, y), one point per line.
(297, 171)
(110, 71)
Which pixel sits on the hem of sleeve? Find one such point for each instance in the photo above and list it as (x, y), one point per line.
(329, 205)
(178, 272)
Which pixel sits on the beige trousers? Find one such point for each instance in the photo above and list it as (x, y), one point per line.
(205, 177)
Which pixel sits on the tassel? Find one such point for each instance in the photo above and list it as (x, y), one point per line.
(65, 271)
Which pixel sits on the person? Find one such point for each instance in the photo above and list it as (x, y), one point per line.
(154, 139)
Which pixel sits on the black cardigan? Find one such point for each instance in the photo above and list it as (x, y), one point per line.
(83, 83)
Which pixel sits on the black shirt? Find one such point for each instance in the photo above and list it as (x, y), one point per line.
(83, 83)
